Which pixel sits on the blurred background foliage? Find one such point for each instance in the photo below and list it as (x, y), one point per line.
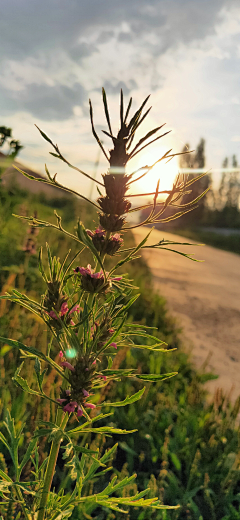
(216, 220)
(186, 447)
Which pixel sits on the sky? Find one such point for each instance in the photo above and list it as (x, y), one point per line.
(56, 54)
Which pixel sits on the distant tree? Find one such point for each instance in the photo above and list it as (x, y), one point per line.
(197, 161)
(10, 146)
(14, 145)
(227, 197)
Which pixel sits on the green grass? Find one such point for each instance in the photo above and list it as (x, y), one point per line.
(227, 243)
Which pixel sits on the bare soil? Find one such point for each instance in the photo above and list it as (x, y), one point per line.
(205, 300)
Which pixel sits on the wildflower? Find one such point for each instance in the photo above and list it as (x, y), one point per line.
(79, 411)
(68, 365)
(85, 393)
(70, 407)
(60, 401)
(114, 345)
(111, 222)
(94, 282)
(103, 377)
(64, 310)
(90, 405)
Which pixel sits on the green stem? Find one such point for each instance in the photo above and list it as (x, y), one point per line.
(51, 467)
(21, 500)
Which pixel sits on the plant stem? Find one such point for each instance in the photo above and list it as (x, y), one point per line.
(51, 467)
(21, 500)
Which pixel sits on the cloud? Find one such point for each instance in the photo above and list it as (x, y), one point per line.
(29, 27)
(115, 87)
(43, 101)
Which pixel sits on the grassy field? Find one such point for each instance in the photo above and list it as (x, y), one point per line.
(186, 450)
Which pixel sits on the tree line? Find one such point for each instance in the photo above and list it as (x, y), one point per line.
(221, 206)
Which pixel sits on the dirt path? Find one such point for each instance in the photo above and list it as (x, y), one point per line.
(205, 299)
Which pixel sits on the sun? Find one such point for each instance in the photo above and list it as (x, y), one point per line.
(165, 172)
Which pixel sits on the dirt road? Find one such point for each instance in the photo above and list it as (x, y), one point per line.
(205, 299)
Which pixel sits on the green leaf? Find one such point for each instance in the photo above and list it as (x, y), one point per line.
(5, 476)
(55, 155)
(28, 454)
(128, 400)
(106, 109)
(103, 429)
(45, 136)
(33, 351)
(128, 109)
(133, 252)
(40, 376)
(22, 383)
(5, 442)
(119, 372)
(155, 377)
(175, 461)
(94, 131)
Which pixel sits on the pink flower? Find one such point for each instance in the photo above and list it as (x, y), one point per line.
(68, 365)
(52, 314)
(68, 392)
(61, 354)
(88, 271)
(114, 345)
(90, 405)
(116, 238)
(60, 401)
(94, 362)
(100, 232)
(103, 377)
(70, 407)
(64, 309)
(79, 411)
(85, 393)
(74, 309)
(89, 233)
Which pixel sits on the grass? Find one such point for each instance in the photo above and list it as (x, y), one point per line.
(227, 243)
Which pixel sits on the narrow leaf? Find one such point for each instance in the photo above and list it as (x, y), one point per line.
(128, 400)
(155, 377)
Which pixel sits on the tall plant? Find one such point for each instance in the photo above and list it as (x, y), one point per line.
(85, 310)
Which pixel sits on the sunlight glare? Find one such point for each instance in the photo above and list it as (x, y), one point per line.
(165, 172)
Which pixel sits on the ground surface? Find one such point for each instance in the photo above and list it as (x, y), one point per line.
(205, 299)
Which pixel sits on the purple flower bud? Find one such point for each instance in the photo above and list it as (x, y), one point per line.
(114, 345)
(89, 232)
(79, 411)
(90, 405)
(74, 309)
(60, 401)
(85, 393)
(68, 365)
(70, 407)
(64, 309)
(103, 377)
(52, 314)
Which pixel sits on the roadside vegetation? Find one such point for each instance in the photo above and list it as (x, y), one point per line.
(185, 449)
